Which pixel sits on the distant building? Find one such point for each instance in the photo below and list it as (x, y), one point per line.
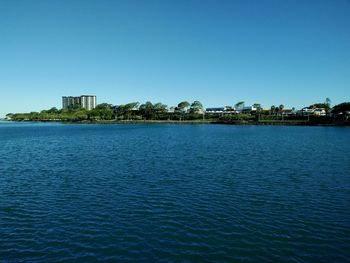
(320, 112)
(248, 109)
(88, 102)
(313, 111)
(70, 102)
(221, 110)
(181, 110)
(288, 112)
(85, 102)
(171, 109)
(215, 110)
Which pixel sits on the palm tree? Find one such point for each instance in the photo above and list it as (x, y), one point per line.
(239, 104)
(328, 104)
(272, 109)
(281, 107)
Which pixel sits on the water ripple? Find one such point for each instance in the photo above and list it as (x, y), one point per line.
(87, 193)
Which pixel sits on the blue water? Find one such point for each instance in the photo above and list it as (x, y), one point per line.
(87, 193)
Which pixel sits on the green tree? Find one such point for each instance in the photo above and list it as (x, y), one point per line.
(341, 108)
(280, 108)
(196, 107)
(9, 115)
(106, 114)
(53, 110)
(73, 107)
(130, 108)
(318, 105)
(239, 105)
(104, 106)
(323, 105)
(183, 106)
(160, 108)
(147, 110)
(94, 114)
(80, 115)
(132, 105)
(257, 106)
(272, 109)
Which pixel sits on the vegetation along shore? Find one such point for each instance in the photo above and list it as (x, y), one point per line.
(194, 113)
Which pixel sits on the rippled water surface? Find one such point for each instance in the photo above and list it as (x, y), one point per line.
(84, 193)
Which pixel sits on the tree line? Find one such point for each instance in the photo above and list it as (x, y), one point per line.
(159, 111)
(130, 111)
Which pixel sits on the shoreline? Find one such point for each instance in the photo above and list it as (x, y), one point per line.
(191, 122)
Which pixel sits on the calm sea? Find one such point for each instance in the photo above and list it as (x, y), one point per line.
(87, 193)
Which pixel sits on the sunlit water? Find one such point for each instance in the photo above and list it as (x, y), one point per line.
(84, 193)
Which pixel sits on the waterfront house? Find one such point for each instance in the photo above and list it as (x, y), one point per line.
(220, 110)
(319, 112)
(305, 111)
(171, 109)
(181, 110)
(288, 112)
(248, 109)
(215, 110)
(313, 111)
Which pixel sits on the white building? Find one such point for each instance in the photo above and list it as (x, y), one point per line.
(88, 102)
(215, 110)
(314, 111)
(248, 109)
(84, 101)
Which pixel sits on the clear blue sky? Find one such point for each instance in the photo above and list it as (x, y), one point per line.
(294, 52)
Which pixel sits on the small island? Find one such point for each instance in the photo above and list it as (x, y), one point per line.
(83, 109)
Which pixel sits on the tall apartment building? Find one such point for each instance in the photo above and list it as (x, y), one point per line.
(85, 102)
(88, 102)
